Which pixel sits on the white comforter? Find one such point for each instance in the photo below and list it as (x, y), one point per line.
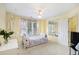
(34, 40)
(36, 37)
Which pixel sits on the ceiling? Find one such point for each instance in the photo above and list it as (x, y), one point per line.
(51, 9)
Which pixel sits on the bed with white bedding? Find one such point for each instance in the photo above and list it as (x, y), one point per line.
(29, 41)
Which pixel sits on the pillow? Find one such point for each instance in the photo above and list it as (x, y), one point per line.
(42, 34)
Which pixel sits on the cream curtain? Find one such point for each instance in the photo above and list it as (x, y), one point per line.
(12, 24)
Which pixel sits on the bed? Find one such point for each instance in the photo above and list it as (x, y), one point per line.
(29, 41)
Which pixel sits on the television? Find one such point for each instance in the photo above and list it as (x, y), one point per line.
(74, 39)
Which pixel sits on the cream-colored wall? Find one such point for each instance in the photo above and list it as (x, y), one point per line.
(2, 20)
(42, 26)
(2, 17)
(73, 24)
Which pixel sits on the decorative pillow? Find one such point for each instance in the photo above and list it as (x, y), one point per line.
(42, 34)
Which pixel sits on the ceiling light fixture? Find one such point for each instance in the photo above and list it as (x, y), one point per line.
(40, 12)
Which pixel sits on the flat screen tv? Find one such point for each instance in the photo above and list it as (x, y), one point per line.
(74, 39)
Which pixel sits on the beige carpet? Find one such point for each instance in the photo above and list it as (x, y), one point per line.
(50, 48)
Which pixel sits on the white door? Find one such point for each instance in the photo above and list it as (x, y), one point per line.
(63, 32)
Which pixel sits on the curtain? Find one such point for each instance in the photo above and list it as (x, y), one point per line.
(28, 27)
(12, 24)
(23, 26)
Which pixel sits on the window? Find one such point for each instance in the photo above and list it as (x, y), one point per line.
(29, 27)
(34, 28)
(29, 30)
(23, 26)
(50, 27)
